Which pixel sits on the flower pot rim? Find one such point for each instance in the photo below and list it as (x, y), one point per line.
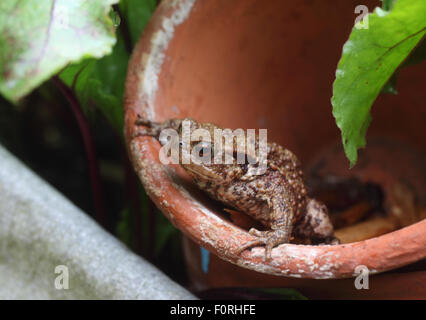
(221, 237)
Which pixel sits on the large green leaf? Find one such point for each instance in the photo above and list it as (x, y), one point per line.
(369, 59)
(39, 37)
(100, 84)
(137, 13)
(387, 4)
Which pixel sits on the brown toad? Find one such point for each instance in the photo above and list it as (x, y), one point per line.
(275, 196)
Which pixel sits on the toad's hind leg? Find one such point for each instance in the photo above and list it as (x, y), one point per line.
(281, 229)
(316, 224)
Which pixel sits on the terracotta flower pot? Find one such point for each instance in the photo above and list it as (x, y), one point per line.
(261, 64)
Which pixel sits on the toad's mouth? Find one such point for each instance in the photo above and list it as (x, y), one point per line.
(200, 174)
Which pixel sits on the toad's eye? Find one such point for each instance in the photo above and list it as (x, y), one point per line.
(203, 149)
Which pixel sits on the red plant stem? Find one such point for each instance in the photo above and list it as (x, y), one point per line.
(131, 185)
(152, 224)
(89, 146)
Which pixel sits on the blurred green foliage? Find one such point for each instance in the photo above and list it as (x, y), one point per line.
(38, 38)
(369, 59)
(42, 131)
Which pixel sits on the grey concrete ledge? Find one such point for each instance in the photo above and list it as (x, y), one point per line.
(40, 229)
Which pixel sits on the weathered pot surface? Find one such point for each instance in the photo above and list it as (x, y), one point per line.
(253, 64)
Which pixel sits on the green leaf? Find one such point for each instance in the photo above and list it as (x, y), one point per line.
(40, 37)
(417, 56)
(124, 227)
(390, 86)
(387, 4)
(100, 84)
(369, 59)
(137, 14)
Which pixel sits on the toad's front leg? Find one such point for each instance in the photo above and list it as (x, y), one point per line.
(281, 229)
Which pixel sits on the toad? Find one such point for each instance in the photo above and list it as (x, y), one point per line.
(275, 196)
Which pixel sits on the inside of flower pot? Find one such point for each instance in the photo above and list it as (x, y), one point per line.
(271, 65)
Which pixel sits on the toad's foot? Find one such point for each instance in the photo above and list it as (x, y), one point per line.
(269, 239)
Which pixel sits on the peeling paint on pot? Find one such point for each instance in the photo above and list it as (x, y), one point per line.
(159, 43)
